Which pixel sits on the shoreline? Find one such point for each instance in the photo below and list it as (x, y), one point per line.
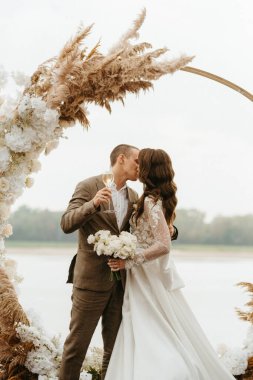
(179, 252)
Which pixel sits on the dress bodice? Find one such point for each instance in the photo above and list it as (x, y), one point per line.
(143, 230)
(154, 244)
(151, 231)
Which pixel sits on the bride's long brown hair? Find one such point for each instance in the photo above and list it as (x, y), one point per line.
(156, 173)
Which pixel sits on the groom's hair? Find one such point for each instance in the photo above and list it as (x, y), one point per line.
(121, 149)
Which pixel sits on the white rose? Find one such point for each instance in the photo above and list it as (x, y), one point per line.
(125, 233)
(115, 245)
(125, 252)
(125, 240)
(20, 140)
(91, 239)
(100, 249)
(103, 235)
(122, 254)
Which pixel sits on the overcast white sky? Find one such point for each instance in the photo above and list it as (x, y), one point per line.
(205, 127)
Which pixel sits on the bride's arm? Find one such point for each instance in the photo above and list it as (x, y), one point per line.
(154, 216)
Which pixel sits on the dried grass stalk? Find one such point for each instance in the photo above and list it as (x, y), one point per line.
(250, 363)
(247, 315)
(13, 352)
(77, 77)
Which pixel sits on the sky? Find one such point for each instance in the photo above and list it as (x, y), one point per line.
(206, 128)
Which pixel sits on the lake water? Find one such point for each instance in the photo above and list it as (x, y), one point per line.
(210, 280)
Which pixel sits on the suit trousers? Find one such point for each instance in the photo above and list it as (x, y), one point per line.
(87, 308)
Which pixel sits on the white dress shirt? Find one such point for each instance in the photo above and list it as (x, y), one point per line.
(120, 203)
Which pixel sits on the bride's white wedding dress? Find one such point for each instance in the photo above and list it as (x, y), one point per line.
(159, 337)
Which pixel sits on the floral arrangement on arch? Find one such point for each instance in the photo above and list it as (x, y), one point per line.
(55, 98)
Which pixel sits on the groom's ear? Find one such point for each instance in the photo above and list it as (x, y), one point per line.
(121, 159)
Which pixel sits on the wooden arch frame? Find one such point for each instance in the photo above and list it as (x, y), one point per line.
(221, 80)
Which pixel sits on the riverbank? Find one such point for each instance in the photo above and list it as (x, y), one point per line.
(181, 251)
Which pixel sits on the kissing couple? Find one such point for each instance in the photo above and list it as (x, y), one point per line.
(148, 329)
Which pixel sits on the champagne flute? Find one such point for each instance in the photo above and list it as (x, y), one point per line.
(107, 178)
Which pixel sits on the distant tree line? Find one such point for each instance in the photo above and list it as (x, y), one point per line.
(222, 230)
(44, 225)
(38, 225)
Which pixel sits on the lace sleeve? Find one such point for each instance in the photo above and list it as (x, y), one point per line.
(153, 214)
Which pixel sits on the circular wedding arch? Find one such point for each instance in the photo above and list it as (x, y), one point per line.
(63, 111)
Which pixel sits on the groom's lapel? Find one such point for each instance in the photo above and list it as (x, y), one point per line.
(109, 217)
(131, 201)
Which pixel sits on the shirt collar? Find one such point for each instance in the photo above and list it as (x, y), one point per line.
(113, 187)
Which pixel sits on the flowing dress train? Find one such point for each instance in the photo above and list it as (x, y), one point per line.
(159, 336)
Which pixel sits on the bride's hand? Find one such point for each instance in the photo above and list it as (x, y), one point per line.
(116, 264)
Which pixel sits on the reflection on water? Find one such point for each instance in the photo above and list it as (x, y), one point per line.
(210, 289)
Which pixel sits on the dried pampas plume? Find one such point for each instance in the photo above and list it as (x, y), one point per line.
(247, 315)
(77, 77)
(130, 34)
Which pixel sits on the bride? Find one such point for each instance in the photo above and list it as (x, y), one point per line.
(159, 336)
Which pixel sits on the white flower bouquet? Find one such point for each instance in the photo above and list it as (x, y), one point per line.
(118, 247)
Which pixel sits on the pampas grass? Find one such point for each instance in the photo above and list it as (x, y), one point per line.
(12, 351)
(247, 315)
(77, 77)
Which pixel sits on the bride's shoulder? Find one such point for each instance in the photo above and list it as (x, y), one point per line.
(151, 202)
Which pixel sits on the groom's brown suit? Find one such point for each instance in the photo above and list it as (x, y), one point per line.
(94, 295)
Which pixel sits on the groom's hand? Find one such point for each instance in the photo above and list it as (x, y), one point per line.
(116, 264)
(171, 229)
(102, 196)
(173, 232)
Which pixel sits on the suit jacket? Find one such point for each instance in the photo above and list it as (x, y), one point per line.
(87, 269)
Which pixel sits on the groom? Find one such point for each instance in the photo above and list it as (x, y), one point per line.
(94, 295)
